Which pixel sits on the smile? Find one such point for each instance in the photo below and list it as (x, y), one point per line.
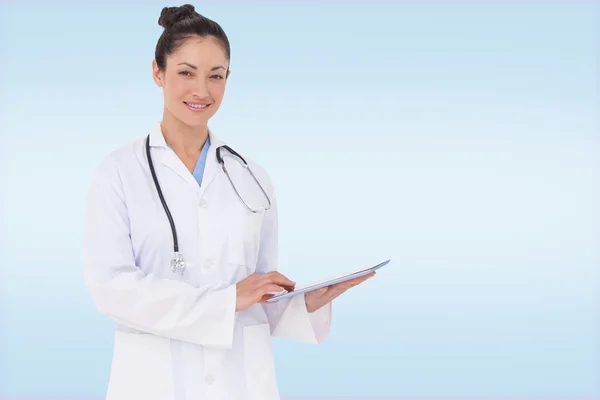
(196, 107)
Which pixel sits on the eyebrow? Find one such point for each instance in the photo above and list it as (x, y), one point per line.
(212, 69)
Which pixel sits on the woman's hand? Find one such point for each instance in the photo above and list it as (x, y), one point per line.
(318, 298)
(255, 288)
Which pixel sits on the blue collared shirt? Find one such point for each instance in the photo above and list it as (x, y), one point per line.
(199, 169)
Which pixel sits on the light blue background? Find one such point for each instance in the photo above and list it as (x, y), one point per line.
(461, 140)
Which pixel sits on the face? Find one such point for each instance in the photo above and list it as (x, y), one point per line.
(194, 80)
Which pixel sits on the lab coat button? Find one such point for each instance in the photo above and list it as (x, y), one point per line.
(210, 379)
(203, 203)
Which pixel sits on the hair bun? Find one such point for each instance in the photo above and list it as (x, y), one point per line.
(169, 16)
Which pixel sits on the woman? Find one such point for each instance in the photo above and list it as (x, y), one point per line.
(194, 325)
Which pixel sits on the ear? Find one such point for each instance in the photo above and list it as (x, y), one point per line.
(157, 74)
(228, 73)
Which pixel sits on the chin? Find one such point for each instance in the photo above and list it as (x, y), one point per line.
(194, 121)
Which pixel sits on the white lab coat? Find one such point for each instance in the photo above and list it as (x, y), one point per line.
(179, 338)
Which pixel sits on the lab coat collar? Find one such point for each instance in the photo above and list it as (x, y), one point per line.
(170, 159)
(157, 139)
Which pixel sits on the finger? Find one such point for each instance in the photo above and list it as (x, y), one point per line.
(356, 281)
(278, 278)
(264, 289)
(347, 285)
(365, 277)
(337, 289)
(268, 282)
(265, 298)
(343, 286)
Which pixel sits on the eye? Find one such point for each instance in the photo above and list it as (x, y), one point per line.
(185, 73)
(216, 77)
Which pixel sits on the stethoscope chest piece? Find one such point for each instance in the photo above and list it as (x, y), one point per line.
(177, 264)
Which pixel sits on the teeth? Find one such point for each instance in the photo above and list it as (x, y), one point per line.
(197, 105)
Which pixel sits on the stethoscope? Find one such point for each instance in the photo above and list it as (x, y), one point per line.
(178, 263)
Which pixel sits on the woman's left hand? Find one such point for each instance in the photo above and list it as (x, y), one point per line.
(318, 298)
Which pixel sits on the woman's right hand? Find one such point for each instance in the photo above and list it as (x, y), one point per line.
(255, 288)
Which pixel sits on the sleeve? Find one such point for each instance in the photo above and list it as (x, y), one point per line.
(289, 318)
(134, 299)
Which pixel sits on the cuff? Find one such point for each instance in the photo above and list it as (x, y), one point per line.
(321, 321)
(298, 324)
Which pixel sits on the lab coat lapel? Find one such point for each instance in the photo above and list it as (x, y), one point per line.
(169, 157)
(173, 162)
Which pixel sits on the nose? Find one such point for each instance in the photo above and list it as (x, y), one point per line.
(200, 88)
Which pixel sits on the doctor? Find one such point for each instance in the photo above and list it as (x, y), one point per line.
(181, 250)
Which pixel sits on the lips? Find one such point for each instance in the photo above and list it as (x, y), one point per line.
(197, 106)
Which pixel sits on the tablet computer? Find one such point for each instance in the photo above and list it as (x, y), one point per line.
(326, 282)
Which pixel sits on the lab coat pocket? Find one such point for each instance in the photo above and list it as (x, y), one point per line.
(141, 368)
(244, 239)
(259, 365)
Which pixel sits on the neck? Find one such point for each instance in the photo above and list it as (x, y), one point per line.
(182, 137)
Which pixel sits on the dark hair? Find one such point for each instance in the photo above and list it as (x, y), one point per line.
(181, 23)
